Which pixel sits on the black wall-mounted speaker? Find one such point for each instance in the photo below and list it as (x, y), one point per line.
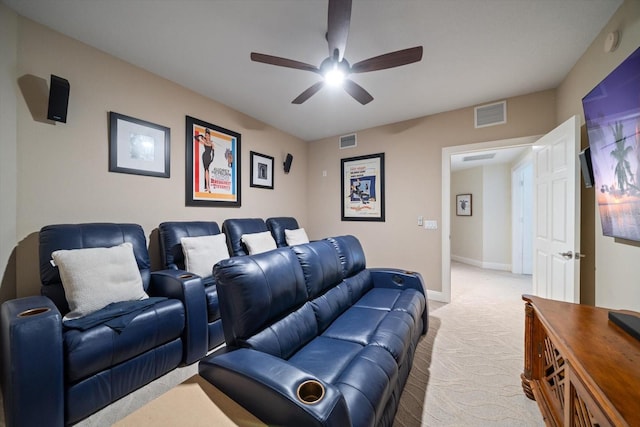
(586, 166)
(58, 99)
(287, 163)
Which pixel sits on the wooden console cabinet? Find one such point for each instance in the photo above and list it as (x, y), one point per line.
(582, 369)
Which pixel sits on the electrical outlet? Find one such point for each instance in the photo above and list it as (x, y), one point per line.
(420, 220)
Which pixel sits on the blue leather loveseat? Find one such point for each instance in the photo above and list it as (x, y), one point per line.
(54, 374)
(314, 338)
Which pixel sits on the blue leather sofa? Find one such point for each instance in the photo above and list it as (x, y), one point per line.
(173, 258)
(53, 375)
(314, 338)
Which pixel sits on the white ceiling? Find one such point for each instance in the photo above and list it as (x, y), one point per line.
(475, 51)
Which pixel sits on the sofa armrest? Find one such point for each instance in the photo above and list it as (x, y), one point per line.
(32, 362)
(397, 279)
(267, 387)
(188, 288)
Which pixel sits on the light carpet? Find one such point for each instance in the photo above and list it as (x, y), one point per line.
(467, 368)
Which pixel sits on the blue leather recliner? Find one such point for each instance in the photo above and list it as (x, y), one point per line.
(314, 338)
(173, 258)
(277, 225)
(53, 375)
(234, 228)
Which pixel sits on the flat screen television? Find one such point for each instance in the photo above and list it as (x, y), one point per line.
(612, 116)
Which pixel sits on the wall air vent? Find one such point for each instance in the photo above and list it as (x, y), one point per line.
(348, 141)
(491, 114)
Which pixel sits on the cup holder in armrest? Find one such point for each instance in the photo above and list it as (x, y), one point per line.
(310, 392)
(186, 276)
(33, 311)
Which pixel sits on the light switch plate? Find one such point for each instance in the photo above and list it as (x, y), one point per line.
(431, 225)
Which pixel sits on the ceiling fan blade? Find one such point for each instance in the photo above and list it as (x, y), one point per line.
(338, 27)
(308, 93)
(357, 91)
(389, 60)
(283, 62)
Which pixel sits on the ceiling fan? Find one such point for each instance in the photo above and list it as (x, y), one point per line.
(335, 69)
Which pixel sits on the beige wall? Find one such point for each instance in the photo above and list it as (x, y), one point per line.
(496, 249)
(413, 161)
(8, 151)
(63, 172)
(484, 238)
(616, 263)
(62, 176)
(467, 234)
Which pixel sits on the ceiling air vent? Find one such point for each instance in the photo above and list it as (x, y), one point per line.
(491, 114)
(487, 156)
(348, 141)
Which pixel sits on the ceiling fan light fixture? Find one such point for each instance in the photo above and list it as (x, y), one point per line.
(334, 76)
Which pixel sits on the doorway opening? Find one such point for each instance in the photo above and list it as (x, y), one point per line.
(447, 154)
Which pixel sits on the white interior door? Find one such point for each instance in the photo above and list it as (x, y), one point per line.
(556, 269)
(522, 219)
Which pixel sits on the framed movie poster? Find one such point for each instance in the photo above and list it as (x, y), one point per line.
(362, 181)
(213, 165)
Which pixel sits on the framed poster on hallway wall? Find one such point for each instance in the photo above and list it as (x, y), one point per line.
(362, 181)
(213, 165)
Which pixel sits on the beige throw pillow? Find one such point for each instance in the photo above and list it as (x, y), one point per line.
(92, 278)
(259, 242)
(296, 237)
(203, 252)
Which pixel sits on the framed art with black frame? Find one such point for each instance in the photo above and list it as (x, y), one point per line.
(362, 182)
(261, 170)
(213, 165)
(138, 147)
(463, 205)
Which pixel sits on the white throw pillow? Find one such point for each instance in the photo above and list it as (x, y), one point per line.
(259, 242)
(92, 278)
(296, 237)
(201, 253)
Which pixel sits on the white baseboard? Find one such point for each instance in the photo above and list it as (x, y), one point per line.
(469, 261)
(436, 296)
(481, 264)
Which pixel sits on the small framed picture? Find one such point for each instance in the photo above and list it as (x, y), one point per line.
(261, 170)
(138, 147)
(463, 205)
